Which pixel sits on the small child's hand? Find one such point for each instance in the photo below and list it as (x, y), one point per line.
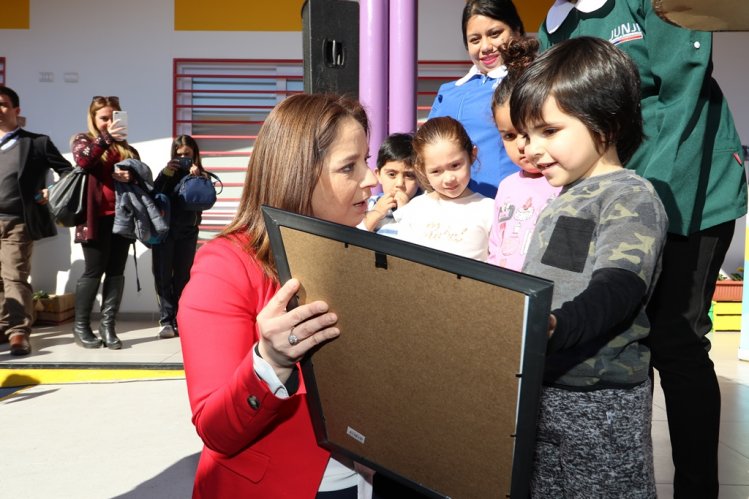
(384, 204)
(401, 199)
(552, 324)
(379, 211)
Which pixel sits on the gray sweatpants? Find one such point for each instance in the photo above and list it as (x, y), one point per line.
(594, 444)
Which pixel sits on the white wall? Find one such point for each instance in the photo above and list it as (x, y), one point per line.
(116, 48)
(729, 50)
(127, 48)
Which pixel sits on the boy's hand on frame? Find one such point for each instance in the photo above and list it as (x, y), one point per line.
(552, 324)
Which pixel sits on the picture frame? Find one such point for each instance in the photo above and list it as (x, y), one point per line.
(720, 15)
(436, 377)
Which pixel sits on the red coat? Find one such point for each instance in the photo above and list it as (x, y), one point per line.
(265, 452)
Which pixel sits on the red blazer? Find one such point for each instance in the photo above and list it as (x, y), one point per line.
(256, 445)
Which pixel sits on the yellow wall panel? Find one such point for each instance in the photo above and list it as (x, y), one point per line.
(14, 14)
(238, 15)
(727, 308)
(727, 323)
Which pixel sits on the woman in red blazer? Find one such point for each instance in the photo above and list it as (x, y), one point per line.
(240, 346)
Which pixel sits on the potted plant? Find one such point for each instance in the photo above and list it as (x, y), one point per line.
(53, 308)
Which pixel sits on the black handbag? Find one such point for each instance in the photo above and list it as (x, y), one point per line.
(67, 198)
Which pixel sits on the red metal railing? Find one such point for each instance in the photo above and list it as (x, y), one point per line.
(222, 104)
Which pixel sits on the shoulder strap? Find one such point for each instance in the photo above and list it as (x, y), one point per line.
(213, 175)
(135, 260)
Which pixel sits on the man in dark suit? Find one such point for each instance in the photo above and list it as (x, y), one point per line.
(25, 159)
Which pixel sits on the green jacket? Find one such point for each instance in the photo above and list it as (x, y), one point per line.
(692, 153)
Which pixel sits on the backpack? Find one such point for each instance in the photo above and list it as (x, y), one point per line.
(197, 193)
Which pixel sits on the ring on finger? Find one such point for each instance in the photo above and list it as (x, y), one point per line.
(293, 339)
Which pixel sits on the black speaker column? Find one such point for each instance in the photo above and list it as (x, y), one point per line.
(331, 46)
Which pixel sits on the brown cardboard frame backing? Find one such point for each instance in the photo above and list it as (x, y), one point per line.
(424, 382)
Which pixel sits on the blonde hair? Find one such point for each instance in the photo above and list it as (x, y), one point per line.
(435, 130)
(122, 147)
(286, 164)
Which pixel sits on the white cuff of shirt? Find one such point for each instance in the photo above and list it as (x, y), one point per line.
(266, 373)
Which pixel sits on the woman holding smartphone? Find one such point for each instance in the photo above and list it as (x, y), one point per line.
(173, 257)
(98, 151)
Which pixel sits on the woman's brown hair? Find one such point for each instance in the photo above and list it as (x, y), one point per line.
(122, 147)
(286, 163)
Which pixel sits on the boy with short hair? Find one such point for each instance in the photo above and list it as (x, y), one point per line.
(600, 241)
(395, 172)
(693, 156)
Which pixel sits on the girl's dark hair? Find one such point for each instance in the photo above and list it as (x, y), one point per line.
(432, 131)
(517, 54)
(397, 147)
(591, 80)
(500, 10)
(186, 140)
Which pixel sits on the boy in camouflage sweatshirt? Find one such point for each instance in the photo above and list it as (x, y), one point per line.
(578, 109)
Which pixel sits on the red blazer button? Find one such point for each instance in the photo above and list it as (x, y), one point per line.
(254, 402)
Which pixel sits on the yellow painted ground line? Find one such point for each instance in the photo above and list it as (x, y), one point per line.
(23, 377)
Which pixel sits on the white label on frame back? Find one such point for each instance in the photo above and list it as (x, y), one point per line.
(355, 435)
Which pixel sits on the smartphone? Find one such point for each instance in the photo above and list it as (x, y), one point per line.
(185, 163)
(122, 117)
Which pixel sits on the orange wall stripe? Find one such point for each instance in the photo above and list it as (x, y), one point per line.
(532, 12)
(14, 14)
(238, 15)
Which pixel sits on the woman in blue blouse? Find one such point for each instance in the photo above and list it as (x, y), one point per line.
(487, 24)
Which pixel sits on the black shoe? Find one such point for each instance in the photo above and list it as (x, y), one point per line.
(110, 305)
(85, 294)
(109, 337)
(85, 337)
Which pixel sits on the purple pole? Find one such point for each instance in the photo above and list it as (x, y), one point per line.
(402, 98)
(373, 70)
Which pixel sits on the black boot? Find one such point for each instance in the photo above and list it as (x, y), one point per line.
(85, 295)
(111, 297)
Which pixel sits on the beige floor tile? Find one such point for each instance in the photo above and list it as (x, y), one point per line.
(54, 345)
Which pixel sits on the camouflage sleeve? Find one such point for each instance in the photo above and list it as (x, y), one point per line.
(631, 232)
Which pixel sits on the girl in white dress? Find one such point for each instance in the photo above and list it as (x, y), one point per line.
(449, 217)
